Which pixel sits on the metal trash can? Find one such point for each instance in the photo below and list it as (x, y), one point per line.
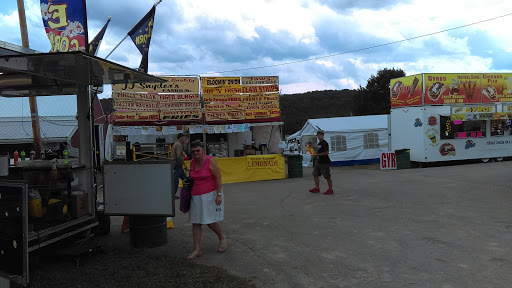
(403, 158)
(294, 165)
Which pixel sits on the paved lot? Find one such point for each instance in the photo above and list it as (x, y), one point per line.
(434, 227)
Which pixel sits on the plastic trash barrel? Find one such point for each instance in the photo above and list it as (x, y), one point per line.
(403, 159)
(295, 166)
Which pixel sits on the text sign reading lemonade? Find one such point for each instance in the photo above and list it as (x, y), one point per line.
(259, 162)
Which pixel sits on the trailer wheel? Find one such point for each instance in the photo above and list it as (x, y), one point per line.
(485, 160)
(498, 159)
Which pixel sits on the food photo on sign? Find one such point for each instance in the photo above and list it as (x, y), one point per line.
(406, 91)
(452, 88)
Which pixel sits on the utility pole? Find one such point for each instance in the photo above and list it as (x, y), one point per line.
(34, 115)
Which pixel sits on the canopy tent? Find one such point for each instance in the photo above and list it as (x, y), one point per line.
(352, 140)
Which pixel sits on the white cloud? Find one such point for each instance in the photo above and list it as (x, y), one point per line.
(9, 20)
(348, 83)
(325, 63)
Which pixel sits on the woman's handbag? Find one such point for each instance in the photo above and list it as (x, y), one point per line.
(185, 195)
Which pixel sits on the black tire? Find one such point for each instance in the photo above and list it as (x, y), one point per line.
(498, 159)
(485, 160)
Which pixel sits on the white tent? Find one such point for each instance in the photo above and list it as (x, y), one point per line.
(352, 140)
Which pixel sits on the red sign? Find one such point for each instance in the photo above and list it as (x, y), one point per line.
(387, 161)
(406, 91)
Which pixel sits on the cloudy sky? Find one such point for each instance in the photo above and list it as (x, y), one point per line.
(230, 37)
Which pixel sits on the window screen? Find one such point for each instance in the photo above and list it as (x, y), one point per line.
(371, 141)
(338, 143)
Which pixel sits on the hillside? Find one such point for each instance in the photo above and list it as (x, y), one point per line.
(296, 109)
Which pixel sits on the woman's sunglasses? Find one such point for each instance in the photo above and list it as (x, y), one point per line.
(195, 151)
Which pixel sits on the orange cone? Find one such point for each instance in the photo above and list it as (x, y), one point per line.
(126, 224)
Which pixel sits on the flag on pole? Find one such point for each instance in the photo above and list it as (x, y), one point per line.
(65, 22)
(95, 43)
(141, 36)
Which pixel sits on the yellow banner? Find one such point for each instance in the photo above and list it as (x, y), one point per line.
(179, 97)
(130, 96)
(224, 115)
(235, 170)
(181, 115)
(275, 113)
(269, 105)
(136, 105)
(180, 106)
(262, 114)
(262, 162)
(208, 98)
(223, 106)
(242, 89)
(257, 114)
(189, 85)
(232, 82)
(136, 116)
(263, 80)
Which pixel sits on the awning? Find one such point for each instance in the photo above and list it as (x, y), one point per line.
(45, 74)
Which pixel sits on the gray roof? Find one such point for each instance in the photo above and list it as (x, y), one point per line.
(7, 48)
(53, 129)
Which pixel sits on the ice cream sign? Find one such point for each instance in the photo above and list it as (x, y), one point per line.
(65, 22)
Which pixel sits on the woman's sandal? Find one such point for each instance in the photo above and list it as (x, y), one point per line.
(223, 244)
(194, 255)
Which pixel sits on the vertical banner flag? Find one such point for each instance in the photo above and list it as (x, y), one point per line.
(65, 22)
(141, 36)
(95, 43)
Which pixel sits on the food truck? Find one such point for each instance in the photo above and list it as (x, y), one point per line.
(43, 201)
(452, 116)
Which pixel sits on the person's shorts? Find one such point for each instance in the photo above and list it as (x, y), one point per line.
(322, 170)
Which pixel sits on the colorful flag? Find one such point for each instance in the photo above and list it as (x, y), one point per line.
(65, 22)
(141, 36)
(95, 43)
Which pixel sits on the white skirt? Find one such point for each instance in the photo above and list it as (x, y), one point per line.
(203, 209)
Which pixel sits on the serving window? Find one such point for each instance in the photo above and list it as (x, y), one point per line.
(454, 129)
(501, 127)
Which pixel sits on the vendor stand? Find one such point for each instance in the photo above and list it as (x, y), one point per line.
(70, 73)
(445, 117)
(239, 117)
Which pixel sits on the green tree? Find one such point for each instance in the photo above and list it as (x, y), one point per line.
(374, 98)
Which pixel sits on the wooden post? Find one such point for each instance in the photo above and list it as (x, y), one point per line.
(34, 115)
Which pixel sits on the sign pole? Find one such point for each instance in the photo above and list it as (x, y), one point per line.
(34, 115)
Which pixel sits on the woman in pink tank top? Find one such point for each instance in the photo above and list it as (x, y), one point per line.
(207, 204)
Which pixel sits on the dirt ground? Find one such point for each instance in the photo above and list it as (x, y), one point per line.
(432, 227)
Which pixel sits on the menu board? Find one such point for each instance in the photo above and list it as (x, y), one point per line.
(241, 98)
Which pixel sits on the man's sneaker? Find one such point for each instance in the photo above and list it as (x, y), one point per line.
(329, 192)
(314, 190)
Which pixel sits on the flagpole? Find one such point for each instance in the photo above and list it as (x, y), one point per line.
(159, 1)
(116, 46)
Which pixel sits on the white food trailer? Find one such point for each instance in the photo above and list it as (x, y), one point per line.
(65, 73)
(445, 117)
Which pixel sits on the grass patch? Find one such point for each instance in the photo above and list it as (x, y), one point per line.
(132, 268)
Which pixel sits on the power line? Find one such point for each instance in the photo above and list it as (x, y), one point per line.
(363, 49)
